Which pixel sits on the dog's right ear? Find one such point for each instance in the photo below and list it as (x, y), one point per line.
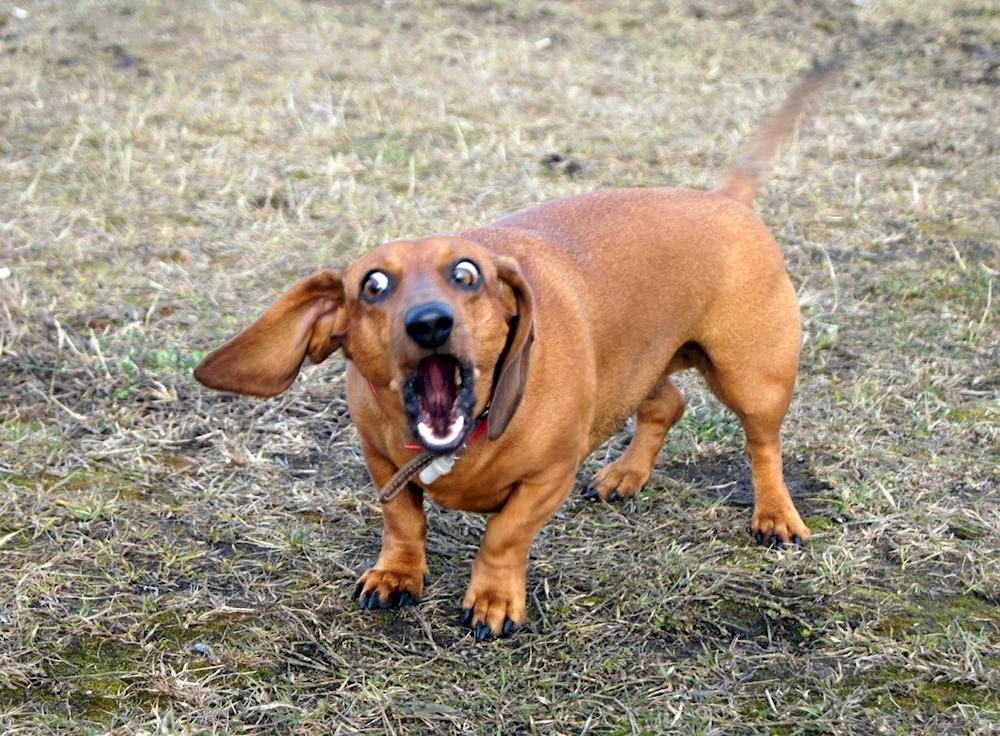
(263, 360)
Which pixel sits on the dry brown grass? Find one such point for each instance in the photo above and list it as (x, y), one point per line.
(177, 561)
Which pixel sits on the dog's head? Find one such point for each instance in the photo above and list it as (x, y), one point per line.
(442, 322)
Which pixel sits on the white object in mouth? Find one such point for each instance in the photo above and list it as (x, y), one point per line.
(431, 438)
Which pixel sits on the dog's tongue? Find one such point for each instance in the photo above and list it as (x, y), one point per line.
(438, 390)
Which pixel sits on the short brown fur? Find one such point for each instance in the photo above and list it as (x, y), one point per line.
(612, 292)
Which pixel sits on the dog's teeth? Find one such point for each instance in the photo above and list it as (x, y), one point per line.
(431, 438)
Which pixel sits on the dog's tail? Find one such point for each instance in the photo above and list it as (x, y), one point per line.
(747, 175)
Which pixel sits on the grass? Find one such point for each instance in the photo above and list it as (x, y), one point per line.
(180, 562)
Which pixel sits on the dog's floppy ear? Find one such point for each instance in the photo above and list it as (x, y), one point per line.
(513, 371)
(263, 360)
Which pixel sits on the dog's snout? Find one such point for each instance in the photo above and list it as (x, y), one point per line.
(429, 324)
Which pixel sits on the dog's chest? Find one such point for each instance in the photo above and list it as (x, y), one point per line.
(468, 486)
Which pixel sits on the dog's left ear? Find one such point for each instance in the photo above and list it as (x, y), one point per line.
(513, 371)
(263, 360)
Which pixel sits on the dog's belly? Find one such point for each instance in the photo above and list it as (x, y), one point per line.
(605, 426)
(467, 497)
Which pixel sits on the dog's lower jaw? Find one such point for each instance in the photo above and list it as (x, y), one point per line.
(428, 438)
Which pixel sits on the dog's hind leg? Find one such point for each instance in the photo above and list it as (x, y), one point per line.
(654, 418)
(753, 372)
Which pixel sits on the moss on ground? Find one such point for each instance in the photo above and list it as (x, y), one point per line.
(925, 614)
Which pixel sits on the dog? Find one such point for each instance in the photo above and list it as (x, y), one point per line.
(512, 351)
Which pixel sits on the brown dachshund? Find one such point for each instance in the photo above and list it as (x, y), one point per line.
(522, 346)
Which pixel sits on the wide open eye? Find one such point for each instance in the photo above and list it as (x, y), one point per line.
(465, 274)
(375, 286)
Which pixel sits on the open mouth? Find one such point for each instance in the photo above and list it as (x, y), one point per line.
(439, 400)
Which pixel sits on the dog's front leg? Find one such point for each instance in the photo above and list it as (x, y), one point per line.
(397, 578)
(495, 601)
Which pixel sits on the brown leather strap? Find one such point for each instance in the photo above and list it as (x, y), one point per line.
(404, 475)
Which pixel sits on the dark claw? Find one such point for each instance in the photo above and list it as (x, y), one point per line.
(482, 632)
(364, 600)
(613, 496)
(798, 540)
(385, 602)
(780, 544)
(466, 615)
(357, 591)
(405, 599)
(772, 541)
(509, 628)
(590, 494)
(760, 537)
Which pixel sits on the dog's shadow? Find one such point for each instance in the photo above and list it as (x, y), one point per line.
(726, 477)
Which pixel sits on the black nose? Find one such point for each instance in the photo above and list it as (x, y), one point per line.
(429, 324)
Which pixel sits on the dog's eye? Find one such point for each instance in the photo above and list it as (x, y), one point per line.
(465, 274)
(375, 286)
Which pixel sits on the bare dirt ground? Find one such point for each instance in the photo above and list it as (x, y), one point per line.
(179, 561)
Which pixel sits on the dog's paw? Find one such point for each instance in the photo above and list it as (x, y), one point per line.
(778, 527)
(388, 588)
(617, 480)
(493, 611)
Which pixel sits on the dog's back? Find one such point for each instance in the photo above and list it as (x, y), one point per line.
(642, 269)
(615, 255)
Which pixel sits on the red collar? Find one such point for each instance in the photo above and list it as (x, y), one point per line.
(479, 429)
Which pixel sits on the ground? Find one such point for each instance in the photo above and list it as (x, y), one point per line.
(180, 561)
